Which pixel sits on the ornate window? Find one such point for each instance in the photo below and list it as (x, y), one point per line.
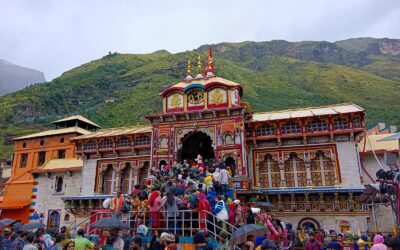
(317, 126)
(340, 123)
(127, 179)
(163, 142)
(79, 147)
(269, 173)
(265, 130)
(142, 140)
(228, 139)
(108, 180)
(106, 143)
(322, 170)
(90, 145)
(291, 128)
(124, 142)
(295, 172)
(357, 122)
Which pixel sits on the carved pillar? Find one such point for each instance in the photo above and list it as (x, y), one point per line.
(351, 202)
(282, 171)
(280, 204)
(336, 201)
(307, 204)
(293, 202)
(321, 202)
(136, 178)
(117, 178)
(307, 163)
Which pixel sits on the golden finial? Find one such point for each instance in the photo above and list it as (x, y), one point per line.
(188, 71)
(199, 68)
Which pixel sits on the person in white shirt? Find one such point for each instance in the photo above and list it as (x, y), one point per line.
(217, 181)
(224, 181)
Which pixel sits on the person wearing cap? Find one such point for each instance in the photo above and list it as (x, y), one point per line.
(223, 238)
(239, 219)
(142, 231)
(333, 244)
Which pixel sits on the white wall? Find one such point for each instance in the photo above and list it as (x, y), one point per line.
(88, 176)
(349, 165)
(47, 199)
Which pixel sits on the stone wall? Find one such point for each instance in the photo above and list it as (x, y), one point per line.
(88, 176)
(48, 199)
(330, 221)
(349, 164)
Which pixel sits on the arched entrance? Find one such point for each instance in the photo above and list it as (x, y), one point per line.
(196, 143)
(230, 162)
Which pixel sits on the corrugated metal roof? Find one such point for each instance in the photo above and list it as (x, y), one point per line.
(342, 108)
(116, 131)
(55, 132)
(373, 143)
(61, 165)
(77, 117)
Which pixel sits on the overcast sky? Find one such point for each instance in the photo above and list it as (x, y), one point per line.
(54, 36)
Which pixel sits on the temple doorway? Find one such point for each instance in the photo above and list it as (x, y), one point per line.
(196, 143)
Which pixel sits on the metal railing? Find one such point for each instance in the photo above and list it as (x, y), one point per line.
(184, 223)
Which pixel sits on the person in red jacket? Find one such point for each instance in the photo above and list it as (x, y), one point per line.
(204, 205)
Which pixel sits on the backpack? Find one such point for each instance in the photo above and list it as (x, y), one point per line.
(194, 201)
(126, 207)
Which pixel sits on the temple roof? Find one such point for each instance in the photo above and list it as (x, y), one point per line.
(59, 165)
(116, 132)
(55, 132)
(336, 109)
(202, 83)
(76, 118)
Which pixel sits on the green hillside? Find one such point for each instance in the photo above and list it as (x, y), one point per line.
(119, 89)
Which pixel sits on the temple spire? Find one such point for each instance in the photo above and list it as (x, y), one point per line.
(210, 66)
(188, 71)
(199, 68)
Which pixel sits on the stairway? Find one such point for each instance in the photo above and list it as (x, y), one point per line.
(185, 226)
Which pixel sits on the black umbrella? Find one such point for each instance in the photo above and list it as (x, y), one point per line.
(110, 223)
(6, 222)
(31, 226)
(16, 227)
(239, 236)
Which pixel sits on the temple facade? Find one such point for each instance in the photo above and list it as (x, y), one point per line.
(304, 161)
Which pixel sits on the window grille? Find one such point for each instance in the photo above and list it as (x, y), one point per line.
(265, 130)
(291, 128)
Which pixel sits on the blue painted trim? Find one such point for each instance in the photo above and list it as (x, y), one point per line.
(185, 240)
(301, 190)
(30, 218)
(33, 203)
(34, 190)
(89, 197)
(194, 85)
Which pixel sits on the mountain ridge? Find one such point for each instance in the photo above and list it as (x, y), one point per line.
(15, 77)
(119, 89)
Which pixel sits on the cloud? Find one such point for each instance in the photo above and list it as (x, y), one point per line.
(54, 36)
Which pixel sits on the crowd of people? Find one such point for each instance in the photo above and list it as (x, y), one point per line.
(186, 199)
